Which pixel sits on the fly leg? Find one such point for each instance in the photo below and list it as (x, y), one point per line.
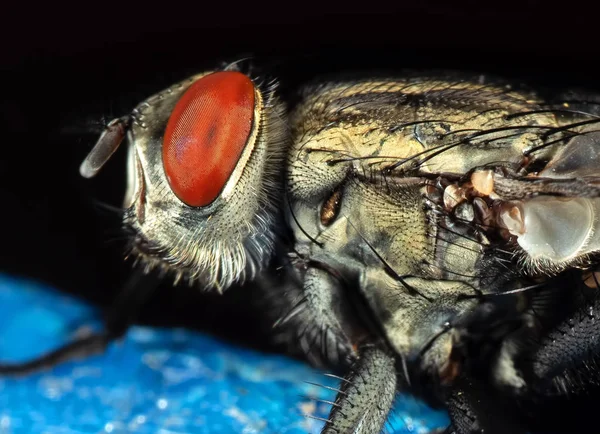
(136, 291)
(564, 371)
(366, 395)
(563, 365)
(566, 361)
(476, 409)
(561, 368)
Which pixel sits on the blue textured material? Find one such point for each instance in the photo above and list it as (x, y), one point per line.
(157, 380)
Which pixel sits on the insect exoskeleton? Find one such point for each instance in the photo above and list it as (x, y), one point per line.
(429, 196)
(204, 169)
(434, 222)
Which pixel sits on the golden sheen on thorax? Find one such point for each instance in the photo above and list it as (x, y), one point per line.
(397, 158)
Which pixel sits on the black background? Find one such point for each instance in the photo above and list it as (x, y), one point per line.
(68, 68)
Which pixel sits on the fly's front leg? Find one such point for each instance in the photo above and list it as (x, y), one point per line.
(315, 319)
(366, 395)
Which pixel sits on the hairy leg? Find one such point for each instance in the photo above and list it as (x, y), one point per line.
(366, 395)
(564, 371)
(474, 407)
(566, 361)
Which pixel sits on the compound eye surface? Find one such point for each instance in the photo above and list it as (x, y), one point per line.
(206, 135)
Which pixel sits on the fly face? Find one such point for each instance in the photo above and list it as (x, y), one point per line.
(388, 184)
(204, 164)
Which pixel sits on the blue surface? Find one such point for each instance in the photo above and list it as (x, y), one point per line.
(157, 380)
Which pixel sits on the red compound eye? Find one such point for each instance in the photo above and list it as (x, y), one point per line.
(206, 135)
